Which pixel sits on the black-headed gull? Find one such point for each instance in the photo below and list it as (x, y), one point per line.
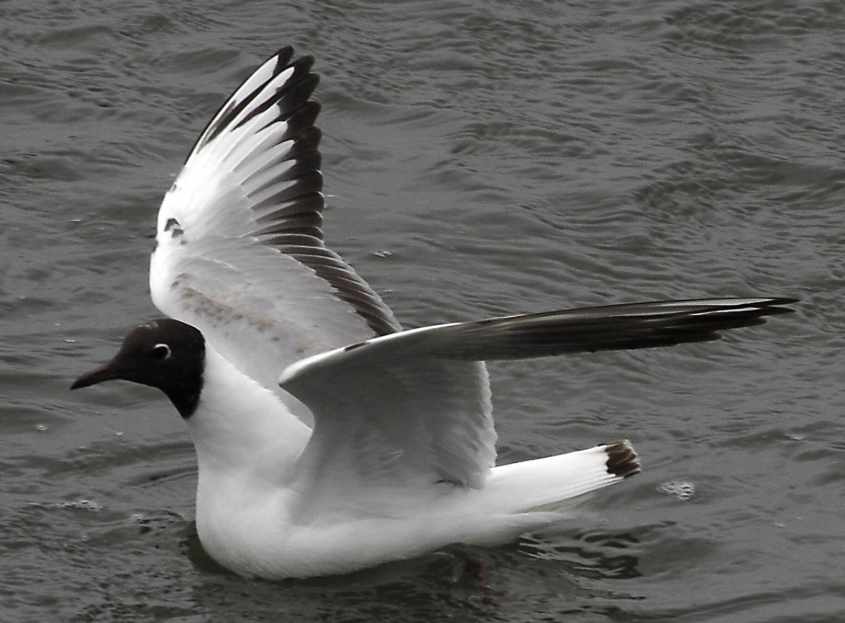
(270, 330)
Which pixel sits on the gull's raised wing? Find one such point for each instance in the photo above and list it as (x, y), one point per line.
(409, 406)
(239, 245)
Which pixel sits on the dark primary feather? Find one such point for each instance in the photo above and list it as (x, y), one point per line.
(627, 326)
(587, 329)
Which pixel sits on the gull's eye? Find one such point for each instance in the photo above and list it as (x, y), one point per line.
(161, 352)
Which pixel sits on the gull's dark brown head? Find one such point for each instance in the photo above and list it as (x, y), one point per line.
(162, 353)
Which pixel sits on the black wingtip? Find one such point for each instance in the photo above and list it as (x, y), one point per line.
(776, 304)
(785, 300)
(283, 56)
(622, 460)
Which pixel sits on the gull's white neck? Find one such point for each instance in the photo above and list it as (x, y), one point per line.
(247, 445)
(239, 426)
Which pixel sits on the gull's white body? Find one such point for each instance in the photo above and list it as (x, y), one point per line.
(254, 512)
(401, 456)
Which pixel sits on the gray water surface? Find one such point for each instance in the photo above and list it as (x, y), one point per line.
(481, 158)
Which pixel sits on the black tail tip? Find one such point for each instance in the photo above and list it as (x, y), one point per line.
(622, 460)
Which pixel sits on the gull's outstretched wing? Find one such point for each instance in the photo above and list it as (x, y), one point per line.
(240, 251)
(406, 407)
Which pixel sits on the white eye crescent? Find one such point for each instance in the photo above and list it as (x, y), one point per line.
(161, 351)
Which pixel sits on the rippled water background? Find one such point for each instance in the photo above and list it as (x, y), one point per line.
(482, 158)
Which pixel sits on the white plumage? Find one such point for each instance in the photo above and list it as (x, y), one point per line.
(328, 439)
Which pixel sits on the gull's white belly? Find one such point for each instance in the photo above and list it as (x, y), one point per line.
(254, 533)
(258, 531)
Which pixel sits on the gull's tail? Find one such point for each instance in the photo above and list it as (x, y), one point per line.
(544, 484)
(532, 495)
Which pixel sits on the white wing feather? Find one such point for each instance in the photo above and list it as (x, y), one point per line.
(239, 248)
